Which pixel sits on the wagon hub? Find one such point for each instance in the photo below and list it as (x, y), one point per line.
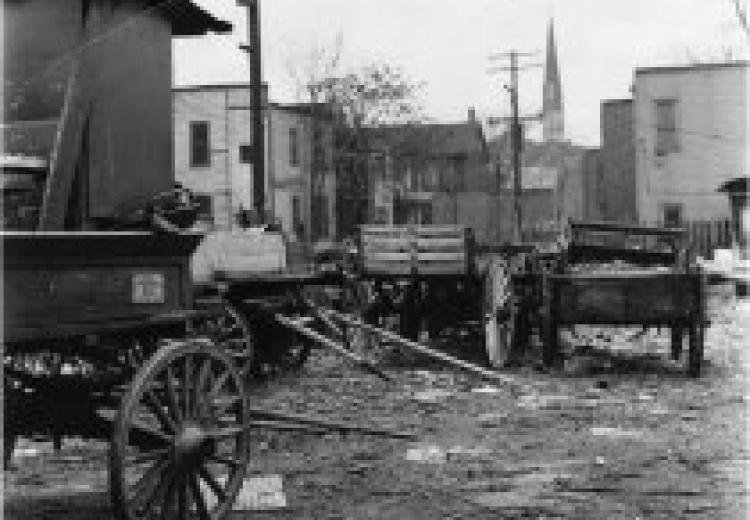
(189, 443)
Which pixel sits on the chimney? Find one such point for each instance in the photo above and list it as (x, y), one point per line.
(472, 116)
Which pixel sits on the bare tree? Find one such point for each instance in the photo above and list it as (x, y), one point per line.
(740, 10)
(371, 94)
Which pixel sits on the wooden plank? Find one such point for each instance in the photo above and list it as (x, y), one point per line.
(458, 256)
(442, 242)
(387, 268)
(636, 230)
(488, 374)
(387, 256)
(439, 230)
(65, 152)
(380, 242)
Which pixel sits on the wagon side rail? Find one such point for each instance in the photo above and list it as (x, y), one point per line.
(405, 251)
(641, 245)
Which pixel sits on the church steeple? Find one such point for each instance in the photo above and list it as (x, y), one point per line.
(552, 106)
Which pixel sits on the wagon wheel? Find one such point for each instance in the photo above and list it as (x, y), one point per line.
(179, 449)
(499, 312)
(230, 329)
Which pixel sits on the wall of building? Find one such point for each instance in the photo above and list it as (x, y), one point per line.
(592, 176)
(226, 179)
(617, 187)
(712, 138)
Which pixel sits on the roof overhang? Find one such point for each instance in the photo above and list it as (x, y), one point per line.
(189, 19)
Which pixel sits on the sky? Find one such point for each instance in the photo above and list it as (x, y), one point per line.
(447, 46)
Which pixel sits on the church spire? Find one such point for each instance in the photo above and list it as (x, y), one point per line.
(552, 105)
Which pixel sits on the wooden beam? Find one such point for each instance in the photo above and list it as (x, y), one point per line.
(331, 344)
(65, 153)
(391, 336)
(318, 423)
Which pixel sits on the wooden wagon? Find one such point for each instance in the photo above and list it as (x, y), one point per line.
(670, 295)
(106, 335)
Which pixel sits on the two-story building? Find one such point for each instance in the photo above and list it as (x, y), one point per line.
(214, 158)
(421, 173)
(691, 135)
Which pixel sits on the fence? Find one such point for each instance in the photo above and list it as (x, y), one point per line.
(707, 235)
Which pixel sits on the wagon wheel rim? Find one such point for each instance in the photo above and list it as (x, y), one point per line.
(179, 449)
(231, 330)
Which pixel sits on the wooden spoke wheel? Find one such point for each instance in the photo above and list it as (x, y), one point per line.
(179, 448)
(230, 330)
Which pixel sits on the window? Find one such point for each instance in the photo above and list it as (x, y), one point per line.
(246, 154)
(293, 147)
(672, 215)
(200, 144)
(666, 126)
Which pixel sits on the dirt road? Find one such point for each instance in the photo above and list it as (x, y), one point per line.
(620, 433)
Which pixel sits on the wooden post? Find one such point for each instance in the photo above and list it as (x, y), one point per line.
(676, 344)
(551, 301)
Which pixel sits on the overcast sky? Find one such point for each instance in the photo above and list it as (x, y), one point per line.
(446, 44)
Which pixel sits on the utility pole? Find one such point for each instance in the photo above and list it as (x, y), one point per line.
(516, 133)
(253, 48)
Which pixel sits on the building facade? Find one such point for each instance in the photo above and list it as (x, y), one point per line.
(616, 189)
(214, 158)
(428, 174)
(691, 135)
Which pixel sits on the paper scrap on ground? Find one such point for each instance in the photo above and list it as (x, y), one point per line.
(427, 454)
(606, 431)
(256, 493)
(485, 390)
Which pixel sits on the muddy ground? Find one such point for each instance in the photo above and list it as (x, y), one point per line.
(621, 432)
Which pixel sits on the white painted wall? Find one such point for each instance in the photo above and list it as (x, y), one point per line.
(227, 180)
(712, 129)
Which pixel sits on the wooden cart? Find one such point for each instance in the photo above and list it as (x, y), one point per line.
(672, 295)
(424, 275)
(103, 338)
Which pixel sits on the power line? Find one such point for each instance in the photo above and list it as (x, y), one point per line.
(516, 128)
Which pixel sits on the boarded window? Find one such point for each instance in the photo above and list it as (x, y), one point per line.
(293, 147)
(246, 154)
(666, 126)
(200, 143)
